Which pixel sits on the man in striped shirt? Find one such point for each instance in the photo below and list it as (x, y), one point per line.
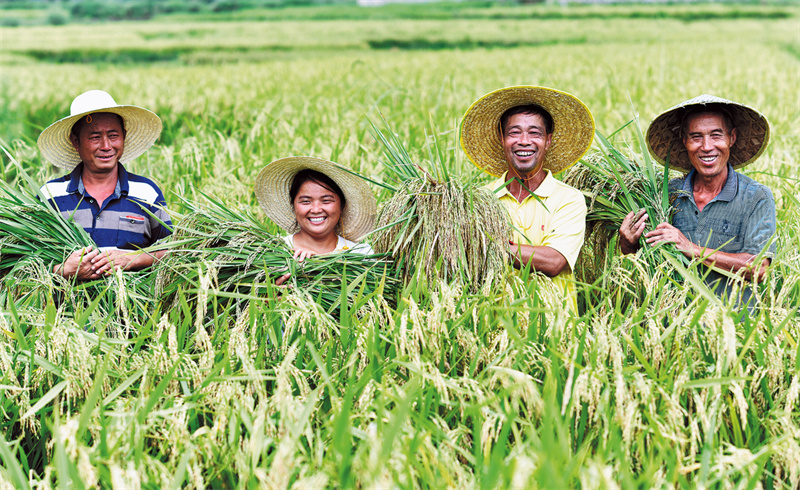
(122, 212)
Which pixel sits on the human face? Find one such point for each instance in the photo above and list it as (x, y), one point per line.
(100, 143)
(525, 143)
(708, 143)
(317, 210)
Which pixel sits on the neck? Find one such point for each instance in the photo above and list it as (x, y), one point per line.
(526, 184)
(710, 185)
(100, 180)
(320, 245)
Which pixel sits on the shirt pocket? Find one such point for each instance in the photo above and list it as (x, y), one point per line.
(725, 236)
(132, 231)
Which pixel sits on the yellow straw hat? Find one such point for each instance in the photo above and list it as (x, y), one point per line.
(142, 128)
(481, 134)
(664, 133)
(274, 181)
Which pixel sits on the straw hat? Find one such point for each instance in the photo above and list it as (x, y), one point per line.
(664, 133)
(275, 180)
(481, 134)
(142, 128)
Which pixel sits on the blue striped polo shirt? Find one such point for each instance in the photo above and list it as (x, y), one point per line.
(124, 220)
(741, 219)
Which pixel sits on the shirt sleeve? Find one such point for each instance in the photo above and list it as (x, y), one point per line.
(760, 225)
(568, 227)
(160, 215)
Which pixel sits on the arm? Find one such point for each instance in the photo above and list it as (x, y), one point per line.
(108, 261)
(544, 259)
(80, 264)
(739, 263)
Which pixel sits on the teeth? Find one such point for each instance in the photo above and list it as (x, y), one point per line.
(524, 153)
(316, 220)
(708, 159)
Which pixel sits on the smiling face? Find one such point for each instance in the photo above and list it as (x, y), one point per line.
(708, 141)
(525, 143)
(99, 142)
(317, 210)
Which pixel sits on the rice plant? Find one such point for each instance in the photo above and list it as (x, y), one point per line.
(438, 225)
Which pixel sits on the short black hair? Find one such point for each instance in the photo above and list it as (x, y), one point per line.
(718, 109)
(307, 175)
(532, 109)
(80, 123)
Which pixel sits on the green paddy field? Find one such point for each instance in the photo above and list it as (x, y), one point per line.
(655, 384)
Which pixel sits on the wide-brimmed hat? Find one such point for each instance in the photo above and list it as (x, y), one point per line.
(142, 128)
(274, 181)
(664, 134)
(481, 134)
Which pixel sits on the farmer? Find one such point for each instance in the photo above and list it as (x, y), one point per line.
(122, 212)
(322, 206)
(523, 135)
(723, 218)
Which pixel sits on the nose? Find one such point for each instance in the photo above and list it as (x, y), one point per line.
(706, 143)
(524, 138)
(105, 142)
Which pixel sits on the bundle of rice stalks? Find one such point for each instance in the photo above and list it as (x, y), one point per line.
(447, 229)
(616, 185)
(232, 255)
(31, 229)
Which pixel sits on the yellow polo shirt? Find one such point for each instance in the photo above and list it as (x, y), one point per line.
(556, 220)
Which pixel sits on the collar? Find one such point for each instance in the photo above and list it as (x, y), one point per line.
(75, 184)
(728, 191)
(545, 189)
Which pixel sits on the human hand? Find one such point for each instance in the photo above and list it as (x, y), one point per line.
(80, 264)
(281, 280)
(631, 231)
(300, 254)
(666, 233)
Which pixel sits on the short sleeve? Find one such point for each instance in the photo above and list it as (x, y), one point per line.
(760, 225)
(568, 227)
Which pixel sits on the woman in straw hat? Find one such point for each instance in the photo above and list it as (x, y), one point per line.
(724, 218)
(523, 135)
(121, 211)
(323, 206)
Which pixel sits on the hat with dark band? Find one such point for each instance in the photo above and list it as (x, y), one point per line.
(664, 134)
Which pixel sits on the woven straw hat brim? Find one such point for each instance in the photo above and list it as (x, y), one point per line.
(142, 128)
(573, 127)
(274, 181)
(664, 133)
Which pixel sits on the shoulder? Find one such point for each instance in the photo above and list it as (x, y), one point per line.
(566, 194)
(289, 240)
(144, 189)
(676, 184)
(753, 190)
(55, 188)
(361, 248)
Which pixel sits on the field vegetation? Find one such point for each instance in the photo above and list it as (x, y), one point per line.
(655, 383)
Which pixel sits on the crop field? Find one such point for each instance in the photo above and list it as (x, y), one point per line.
(419, 383)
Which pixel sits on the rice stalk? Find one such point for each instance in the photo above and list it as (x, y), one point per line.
(446, 229)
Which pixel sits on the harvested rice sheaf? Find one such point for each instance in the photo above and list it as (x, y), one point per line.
(218, 249)
(452, 230)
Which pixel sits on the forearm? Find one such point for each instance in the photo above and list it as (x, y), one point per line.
(544, 259)
(142, 260)
(738, 263)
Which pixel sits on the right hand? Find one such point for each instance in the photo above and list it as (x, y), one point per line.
(81, 264)
(631, 231)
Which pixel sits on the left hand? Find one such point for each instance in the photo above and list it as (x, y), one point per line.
(666, 233)
(108, 261)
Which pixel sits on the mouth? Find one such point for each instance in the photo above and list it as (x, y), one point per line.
(317, 220)
(708, 158)
(524, 153)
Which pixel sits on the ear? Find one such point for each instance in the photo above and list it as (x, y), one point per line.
(76, 143)
(733, 136)
(548, 141)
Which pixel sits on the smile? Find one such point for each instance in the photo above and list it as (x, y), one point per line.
(317, 220)
(523, 153)
(708, 159)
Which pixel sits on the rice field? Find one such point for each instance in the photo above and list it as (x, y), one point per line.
(656, 383)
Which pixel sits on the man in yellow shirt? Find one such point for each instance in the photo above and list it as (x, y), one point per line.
(523, 135)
